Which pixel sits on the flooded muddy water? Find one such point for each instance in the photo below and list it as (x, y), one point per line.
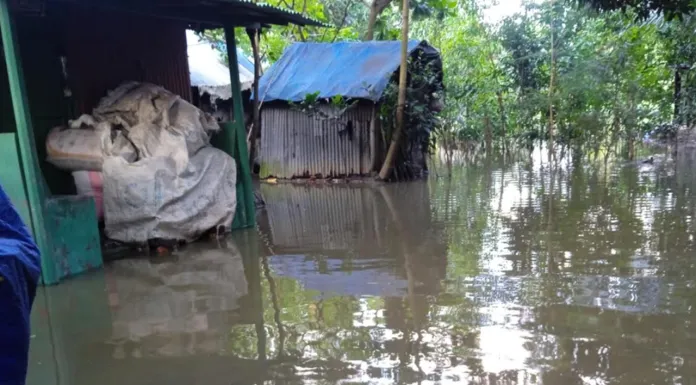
(510, 272)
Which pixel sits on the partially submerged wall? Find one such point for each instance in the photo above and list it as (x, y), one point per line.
(295, 144)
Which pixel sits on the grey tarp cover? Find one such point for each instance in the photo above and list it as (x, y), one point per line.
(177, 186)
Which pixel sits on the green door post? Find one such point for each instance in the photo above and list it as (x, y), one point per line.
(25, 136)
(245, 200)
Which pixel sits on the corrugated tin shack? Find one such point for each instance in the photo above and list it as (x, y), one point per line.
(333, 141)
(72, 52)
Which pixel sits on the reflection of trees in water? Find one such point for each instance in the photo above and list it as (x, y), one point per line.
(314, 335)
(575, 234)
(631, 348)
(583, 271)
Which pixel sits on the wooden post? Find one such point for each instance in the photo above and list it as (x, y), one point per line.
(254, 36)
(25, 138)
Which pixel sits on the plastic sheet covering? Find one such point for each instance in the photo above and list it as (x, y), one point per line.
(150, 199)
(179, 186)
(358, 70)
(19, 275)
(209, 74)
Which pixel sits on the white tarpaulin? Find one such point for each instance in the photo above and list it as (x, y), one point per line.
(176, 186)
(207, 71)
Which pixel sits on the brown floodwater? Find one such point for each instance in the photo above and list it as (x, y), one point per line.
(512, 271)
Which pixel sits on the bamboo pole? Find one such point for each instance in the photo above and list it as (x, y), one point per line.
(388, 165)
(552, 81)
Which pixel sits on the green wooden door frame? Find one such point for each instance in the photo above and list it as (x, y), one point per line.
(25, 136)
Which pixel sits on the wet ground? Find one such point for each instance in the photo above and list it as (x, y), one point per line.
(510, 272)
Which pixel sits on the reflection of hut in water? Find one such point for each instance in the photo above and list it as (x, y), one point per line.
(354, 234)
(178, 307)
(328, 218)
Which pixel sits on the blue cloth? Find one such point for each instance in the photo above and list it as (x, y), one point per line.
(360, 70)
(19, 275)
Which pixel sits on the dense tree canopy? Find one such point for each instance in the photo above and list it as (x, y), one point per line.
(670, 8)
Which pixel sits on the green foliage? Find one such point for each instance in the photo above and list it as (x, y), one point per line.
(422, 91)
(338, 101)
(311, 105)
(643, 8)
(311, 98)
(613, 76)
(679, 41)
(614, 70)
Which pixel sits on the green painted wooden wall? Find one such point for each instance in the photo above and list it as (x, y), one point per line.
(11, 177)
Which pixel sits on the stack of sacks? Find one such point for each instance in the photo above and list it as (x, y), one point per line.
(151, 151)
(77, 148)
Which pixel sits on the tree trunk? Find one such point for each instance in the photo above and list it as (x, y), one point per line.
(501, 109)
(677, 95)
(449, 151)
(551, 83)
(630, 131)
(371, 21)
(489, 132)
(403, 71)
(376, 9)
(256, 124)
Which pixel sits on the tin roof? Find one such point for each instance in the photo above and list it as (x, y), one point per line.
(202, 14)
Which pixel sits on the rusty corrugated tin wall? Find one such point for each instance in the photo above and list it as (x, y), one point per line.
(104, 49)
(294, 144)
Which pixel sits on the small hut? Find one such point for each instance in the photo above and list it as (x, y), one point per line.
(333, 139)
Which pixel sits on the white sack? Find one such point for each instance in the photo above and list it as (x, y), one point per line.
(75, 149)
(162, 179)
(149, 199)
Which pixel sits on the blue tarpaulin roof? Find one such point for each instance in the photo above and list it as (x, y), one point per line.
(358, 70)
